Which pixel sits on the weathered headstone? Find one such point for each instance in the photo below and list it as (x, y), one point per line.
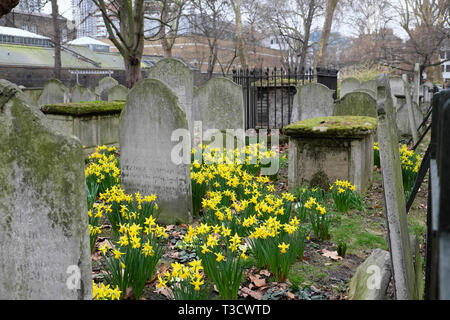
(103, 86)
(394, 196)
(147, 123)
(397, 88)
(416, 85)
(44, 234)
(311, 101)
(118, 92)
(370, 85)
(356, 103)
(54, 92)
(80, 93)
(178, 77)
(402, 116)
(349, 85)
(409, 107)
(371, 279)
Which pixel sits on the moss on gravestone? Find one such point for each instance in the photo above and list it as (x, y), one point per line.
(334, 126)
(84, 108)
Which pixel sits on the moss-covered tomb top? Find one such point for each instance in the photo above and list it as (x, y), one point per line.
(334, 126)
(84, 108)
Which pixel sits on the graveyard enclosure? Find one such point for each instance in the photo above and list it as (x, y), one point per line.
(325, 149)
(94, 123)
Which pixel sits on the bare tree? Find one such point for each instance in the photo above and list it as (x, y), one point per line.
(124, 21)
(291, 23)
(209, 19)
(6, 6)
(427, 24)
(240, 46)
(326, 30)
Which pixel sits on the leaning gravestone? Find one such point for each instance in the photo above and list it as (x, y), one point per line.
(103, 86)
(54, 92)
(394, 197)
(410, 109)
(397, 88)
(312, 101)
(356, 103)
(219, 104)
(118, 92)
(371, 279)
(178, 77)
(148, 165)
(349, 85)
(80, 93)
(44, 234)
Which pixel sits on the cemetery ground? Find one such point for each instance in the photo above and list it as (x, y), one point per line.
(327, 265)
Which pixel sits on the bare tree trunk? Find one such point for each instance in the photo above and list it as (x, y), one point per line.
(56, 39)
(6, 6)
(236, 4)
(163, 36)
(326, 30)
(132, 70)
(308, 22)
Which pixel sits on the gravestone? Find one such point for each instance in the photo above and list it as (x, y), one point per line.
(150, 117)
(397, 88)
(394, 196)
(54, 92)
(118, 92)
(349, 85)
(80, 93)
(178, 77)
(356, 103)
(402, 116)
(44, 234)
(219, 104)
(311, 101)
(370, 85)
(103, 86)
(410, 109)
(372, 277)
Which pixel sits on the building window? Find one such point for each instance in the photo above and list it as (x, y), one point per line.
(447, 68)
(25, 27)
(33, 28)
(64, 35)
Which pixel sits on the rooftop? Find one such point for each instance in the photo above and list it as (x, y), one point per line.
(15, 32)
(83, 41)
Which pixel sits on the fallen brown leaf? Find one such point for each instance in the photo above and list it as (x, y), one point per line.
(331, 254)
(265, 273)
(254, 294)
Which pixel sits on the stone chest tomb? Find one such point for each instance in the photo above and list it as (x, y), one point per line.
(324, 149)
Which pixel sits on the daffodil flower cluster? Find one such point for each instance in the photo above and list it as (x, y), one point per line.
(96, 214)
(127, 208)
(342, 192)
(410, 162)
(102, 169)
(133, 261)
(102, 292)
(318, 218)
(186, 282)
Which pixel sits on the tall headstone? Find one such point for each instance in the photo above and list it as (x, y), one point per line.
(178, 77)
(118, 92)
(312, 101)
(394, 196)
(103, 86)
(416, 85)
(219, 104)
(397, 88)
(54, 92)
(80, 93)
(148, 164)
(356, 103)
(409, 106)
(349, 85)
(44, 234)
